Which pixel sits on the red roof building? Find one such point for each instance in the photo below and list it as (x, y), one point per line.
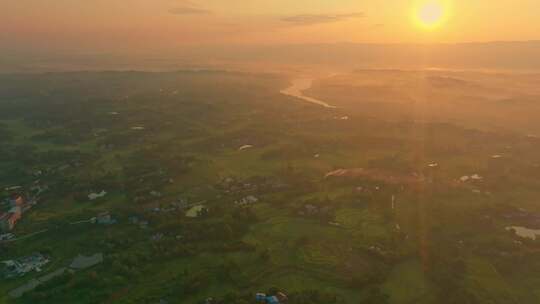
(17, 201)
(9, 220)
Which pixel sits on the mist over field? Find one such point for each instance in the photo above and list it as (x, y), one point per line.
(491, 56)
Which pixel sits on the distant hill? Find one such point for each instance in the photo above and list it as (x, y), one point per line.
(493, 55)
(523, 56)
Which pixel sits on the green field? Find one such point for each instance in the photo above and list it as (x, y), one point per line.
(320, 240)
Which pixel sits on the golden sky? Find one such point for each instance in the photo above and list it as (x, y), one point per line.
(143, 23)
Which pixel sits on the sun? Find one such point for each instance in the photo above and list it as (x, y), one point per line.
(430, 14)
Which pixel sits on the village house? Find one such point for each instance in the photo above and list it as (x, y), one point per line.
(143, 224)
(196, 211)
(19, 267)
(467, 178)
(7, 237)
(157, 237)
(248, 200)
(180, 203)
(94, 196)
(17, 205)
(103, 218)
(9, 219)
(37, 189)
(156, 194)
(16, 201)
(138, 221)
(280, 297)
(79, 263)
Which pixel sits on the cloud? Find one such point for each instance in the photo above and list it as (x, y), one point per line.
(310, 19)
(189, 11)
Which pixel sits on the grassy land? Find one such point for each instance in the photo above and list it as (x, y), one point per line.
(441, 238)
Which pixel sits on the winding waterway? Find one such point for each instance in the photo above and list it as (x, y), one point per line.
(297, 89)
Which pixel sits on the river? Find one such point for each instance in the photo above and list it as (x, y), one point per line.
(297, 89)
